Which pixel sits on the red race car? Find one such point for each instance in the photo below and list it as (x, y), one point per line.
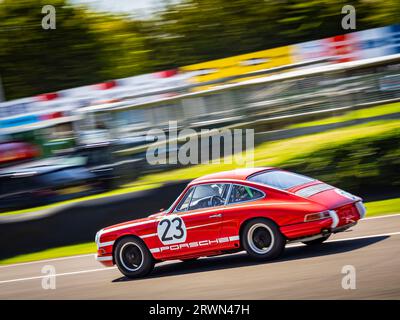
(258, 210)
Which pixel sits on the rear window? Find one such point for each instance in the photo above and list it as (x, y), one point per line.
(242, 193)
(280, 179)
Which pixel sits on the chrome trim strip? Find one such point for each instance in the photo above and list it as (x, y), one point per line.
(148, 235)
(335, 218)
(203, 225)
(229, 194)
(106, 258)
(305, 239)
(126, 226)
(361, 209)
(105, 244)
(313, 190)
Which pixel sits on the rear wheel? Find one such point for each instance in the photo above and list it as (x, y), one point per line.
(317, 241)
(133, 258)
(262, 239)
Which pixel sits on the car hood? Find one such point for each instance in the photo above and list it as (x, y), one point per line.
(325, 194)
(130, 223)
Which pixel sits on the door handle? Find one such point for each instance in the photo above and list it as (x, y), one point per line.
(216, 216)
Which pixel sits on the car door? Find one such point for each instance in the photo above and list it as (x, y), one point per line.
(239, 205)
(195, 224)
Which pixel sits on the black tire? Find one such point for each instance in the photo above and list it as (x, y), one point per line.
(316, 242)
(133, 258)
(262, 239)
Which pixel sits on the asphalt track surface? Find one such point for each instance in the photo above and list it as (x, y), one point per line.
(372, 247)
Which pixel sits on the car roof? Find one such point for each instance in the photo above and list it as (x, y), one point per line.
(237, 174)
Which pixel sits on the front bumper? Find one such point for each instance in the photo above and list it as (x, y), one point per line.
(106, 260)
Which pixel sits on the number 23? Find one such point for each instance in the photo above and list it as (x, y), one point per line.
(178, 231)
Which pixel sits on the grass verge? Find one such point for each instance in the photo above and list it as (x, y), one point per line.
(273, 153)
(123, 190)
(66, 251)
(374, 208)
(382, 207)
(277, 153)
(352, 115)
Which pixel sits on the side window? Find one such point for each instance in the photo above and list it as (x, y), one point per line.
(184, 204)
(209, 195)
(241, 193)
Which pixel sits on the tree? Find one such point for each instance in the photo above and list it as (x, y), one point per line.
(192, 31)
(89, 47)
(34, 60)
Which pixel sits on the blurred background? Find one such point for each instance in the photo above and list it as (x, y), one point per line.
(76, 102)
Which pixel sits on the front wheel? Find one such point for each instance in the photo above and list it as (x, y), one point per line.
(262, 239)
(133, 258)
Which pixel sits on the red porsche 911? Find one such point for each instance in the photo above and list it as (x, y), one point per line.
(259, 210)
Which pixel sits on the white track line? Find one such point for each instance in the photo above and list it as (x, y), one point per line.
(48, 260)
(113, 268)
(381, 217)
(57, 275)
(92, 254)
(367, 237)
(348, 239)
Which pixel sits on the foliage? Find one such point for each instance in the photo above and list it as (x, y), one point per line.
(34, 60)
(364, 113)
(85, 48)
(89, 47)
(373, 165)
(364, 165)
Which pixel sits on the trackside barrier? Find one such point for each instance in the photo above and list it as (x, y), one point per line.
(78, 223)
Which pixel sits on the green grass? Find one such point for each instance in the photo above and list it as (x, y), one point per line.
(373, 209)
(352, 115)
(389, 206)
(66, 251)
(266, 154)
(279, 152)
(126, 189)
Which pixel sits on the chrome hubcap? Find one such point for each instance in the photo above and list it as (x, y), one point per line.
(260, 238)
(131, 256)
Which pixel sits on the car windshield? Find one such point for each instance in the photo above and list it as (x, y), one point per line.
(280, 179)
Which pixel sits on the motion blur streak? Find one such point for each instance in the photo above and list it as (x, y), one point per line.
(78, 104)
(373, 241)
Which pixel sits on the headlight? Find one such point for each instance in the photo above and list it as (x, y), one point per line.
(317, 216)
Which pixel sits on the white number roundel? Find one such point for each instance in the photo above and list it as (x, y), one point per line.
(171, 229)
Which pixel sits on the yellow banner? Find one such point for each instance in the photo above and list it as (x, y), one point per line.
(237, 65)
